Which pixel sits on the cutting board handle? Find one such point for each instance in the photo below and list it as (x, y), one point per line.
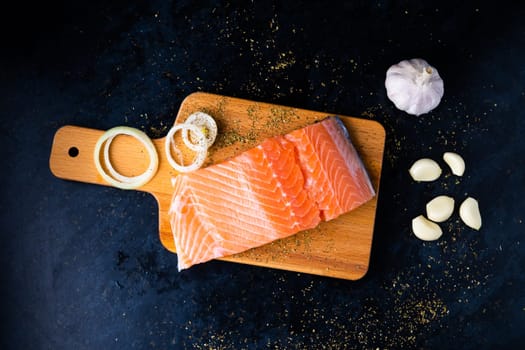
(72, 154)
(72, 157)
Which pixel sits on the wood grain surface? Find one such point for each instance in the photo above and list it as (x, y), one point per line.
(339, 248)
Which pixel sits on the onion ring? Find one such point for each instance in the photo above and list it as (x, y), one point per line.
(200, 148)
(114, 178)
(201, 120)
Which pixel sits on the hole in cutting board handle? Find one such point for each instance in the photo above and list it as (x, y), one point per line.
(73, 152)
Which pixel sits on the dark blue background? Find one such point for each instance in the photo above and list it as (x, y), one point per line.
(82, 266)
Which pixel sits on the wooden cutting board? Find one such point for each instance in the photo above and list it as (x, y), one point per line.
(339, 248)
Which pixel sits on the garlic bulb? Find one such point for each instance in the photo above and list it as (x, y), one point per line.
(414, 86)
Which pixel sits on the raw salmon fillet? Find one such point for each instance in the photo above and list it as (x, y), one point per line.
(284, 185)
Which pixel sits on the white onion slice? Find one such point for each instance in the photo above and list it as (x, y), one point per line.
(112, 172)
(115, 178)
(201, 148)
(204, 121)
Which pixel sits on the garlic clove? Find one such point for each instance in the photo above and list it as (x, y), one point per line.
(455, 162)
(469, 213)
(440, 208)
(425, 229)
(425, 169)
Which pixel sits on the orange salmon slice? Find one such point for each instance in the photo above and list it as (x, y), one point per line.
(287, 184)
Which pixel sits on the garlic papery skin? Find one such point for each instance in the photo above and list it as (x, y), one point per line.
(469, 213)
(414, 86)
(425, 229)
(455, 162)
(440, 208)
(425, 169)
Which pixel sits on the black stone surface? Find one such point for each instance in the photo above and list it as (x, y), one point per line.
(82, 266)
